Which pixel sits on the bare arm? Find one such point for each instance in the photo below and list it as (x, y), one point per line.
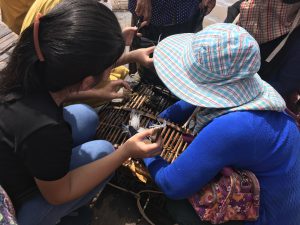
(80, 181)
(140, 56)
(106, 92)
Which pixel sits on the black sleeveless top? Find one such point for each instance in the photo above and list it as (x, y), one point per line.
(35, 141)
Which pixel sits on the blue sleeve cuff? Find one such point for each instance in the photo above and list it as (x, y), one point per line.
(148, 161)
(179, 112)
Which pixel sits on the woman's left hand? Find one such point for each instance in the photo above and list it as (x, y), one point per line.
(129, 33)
(109, 90)
(105, 91)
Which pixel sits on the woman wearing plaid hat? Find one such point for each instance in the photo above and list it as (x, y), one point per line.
(239, 120)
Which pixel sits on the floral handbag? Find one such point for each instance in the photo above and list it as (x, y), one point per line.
(232, 195)
(7, 212)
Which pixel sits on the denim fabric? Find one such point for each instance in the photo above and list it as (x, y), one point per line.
(84, 121)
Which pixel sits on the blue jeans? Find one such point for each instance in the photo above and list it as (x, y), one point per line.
(84, 121)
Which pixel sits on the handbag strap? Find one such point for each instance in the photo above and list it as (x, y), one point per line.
(249, 175)
(237, 18)
(229, 196)
(256, 187)
(282, 43)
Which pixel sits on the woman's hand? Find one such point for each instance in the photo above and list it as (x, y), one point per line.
(106, 91)
(81, 180)
(142, 56)
(208, 4)
(129, 33)
(109, 90)
(144, 9)
(139, 147)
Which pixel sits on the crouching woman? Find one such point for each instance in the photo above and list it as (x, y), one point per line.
(50, 164)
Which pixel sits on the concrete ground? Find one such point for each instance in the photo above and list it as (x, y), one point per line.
(116, 207)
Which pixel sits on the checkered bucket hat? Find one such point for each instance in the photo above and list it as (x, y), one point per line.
(214, 68)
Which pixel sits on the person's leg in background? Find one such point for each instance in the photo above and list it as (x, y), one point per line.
(37, 210)
(287, 79)
(283, 71)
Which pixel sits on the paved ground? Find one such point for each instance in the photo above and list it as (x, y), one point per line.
(116, 207)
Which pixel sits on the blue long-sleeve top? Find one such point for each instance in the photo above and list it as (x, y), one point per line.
(264, 142)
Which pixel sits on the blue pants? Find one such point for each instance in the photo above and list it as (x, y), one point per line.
(84, 121)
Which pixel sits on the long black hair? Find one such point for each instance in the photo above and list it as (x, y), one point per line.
(77, 38)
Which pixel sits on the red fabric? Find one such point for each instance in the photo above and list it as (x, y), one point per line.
(267, 20)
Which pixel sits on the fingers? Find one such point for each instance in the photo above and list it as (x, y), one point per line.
(148, 12)
(144, 23)
(142, 136)
(128, 34)
(145, 133)
(153, 146)
(120, 83)
(138, 8)
(140, 147)
(129, 29)
(209, 9)
(116, 83)
(150, 49)
(118, 95)
(151, 149)
(146, 16)
(159, 141)
(143, 8)
(141, 56)
(153, 153)
(148, 63)
(208, 4)
(126, 85)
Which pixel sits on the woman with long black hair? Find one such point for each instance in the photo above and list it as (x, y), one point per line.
(49, 165)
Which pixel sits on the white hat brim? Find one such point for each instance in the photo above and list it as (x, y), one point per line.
(169, 65)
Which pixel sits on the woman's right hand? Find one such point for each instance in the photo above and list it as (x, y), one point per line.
(139, 147)
(142, 56)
